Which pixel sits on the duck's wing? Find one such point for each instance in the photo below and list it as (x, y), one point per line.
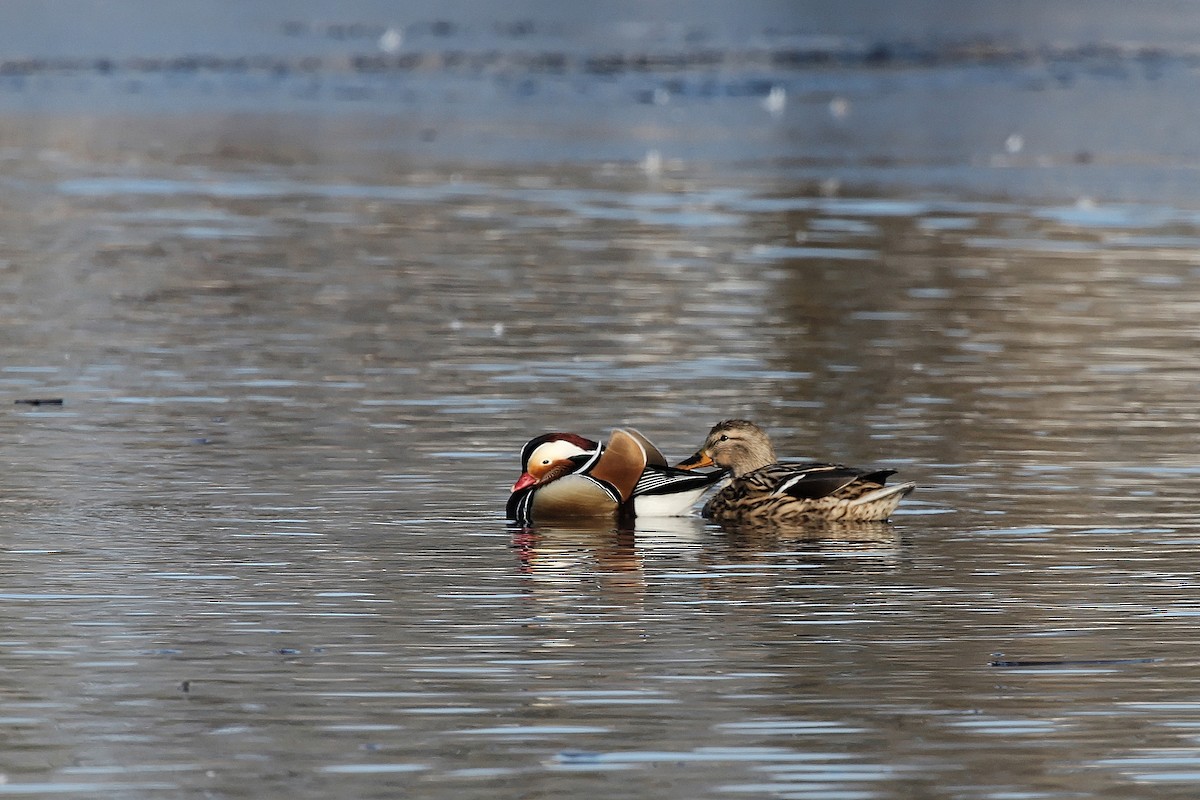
(670, 492)
(814, 481)
(658, 480)
(654, 456)
(620, 464)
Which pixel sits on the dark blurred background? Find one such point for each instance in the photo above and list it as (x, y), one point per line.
(1061, 100)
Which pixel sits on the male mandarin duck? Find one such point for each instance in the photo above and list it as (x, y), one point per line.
(567, 476)
(761, 489)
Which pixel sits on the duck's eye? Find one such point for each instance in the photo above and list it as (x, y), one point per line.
(545, 462)
(723, 438)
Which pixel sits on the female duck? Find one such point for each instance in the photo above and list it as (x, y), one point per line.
(761, 489)
(567, 476)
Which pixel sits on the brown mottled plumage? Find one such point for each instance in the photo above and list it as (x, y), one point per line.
(762, 489)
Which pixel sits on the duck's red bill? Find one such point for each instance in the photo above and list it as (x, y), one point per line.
(525, 480)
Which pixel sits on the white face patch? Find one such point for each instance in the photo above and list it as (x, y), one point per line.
(546, 454)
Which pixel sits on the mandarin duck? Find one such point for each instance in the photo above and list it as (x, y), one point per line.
(568, 476)
(763, 490)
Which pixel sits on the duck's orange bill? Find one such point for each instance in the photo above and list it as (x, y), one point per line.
(700, 459)
(526, 479)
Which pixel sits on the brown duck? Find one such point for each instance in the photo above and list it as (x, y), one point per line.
(566, 476)
(763, 490)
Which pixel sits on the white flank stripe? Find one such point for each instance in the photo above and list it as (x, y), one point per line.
(790, 483)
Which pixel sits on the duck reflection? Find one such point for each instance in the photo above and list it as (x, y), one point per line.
(555, 548)
(564, 561)
(754, 542)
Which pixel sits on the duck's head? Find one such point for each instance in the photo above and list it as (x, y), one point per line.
(550, 456)
(737, 445)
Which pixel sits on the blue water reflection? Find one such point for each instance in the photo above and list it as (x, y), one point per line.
(303, 313)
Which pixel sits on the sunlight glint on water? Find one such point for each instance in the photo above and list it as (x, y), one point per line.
(301, 336)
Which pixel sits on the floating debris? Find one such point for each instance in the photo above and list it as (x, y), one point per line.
(776, 100)
(39, 401)
(652, 164)
(392, 40)
(1086, 662)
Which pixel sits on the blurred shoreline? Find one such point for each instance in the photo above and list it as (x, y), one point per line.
(1030, 105)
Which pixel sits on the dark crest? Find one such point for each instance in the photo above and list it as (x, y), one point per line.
(538, 441)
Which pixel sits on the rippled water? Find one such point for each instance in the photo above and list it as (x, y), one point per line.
(259, 549)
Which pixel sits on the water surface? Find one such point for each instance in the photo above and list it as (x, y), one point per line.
(259, 551)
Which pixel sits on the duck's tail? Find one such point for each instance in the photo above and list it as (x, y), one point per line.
(879, 504)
